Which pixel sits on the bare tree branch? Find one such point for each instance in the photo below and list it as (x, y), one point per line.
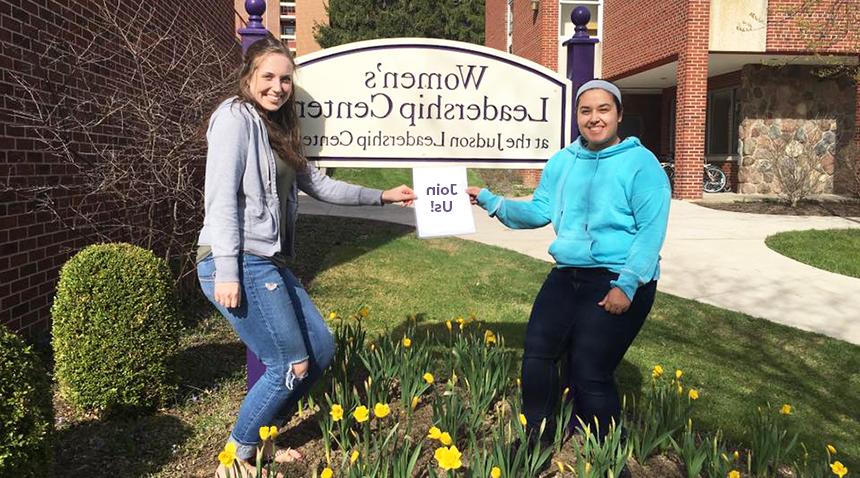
(125, 109)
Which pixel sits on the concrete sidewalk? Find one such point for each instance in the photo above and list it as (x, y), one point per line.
(715, 257)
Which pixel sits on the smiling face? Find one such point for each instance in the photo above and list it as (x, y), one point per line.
(597, 117)
(271, 83)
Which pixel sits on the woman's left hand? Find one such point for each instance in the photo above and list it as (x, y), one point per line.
(402, 194)
(615, 302)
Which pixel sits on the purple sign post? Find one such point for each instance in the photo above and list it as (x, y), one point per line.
(253, 32)
(580, 69)
(580, 58)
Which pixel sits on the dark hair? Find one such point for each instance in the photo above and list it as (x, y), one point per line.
(614, 99)
(283, 124)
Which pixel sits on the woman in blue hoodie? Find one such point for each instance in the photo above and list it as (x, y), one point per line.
(608, 202)
(254, 169)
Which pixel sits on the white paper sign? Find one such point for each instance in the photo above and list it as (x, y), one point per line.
(442, 207)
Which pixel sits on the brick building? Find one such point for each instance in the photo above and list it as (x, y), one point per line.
(736, 83)
(291, 21)
(32, 246)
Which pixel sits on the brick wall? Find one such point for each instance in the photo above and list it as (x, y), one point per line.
(495, 24)
(536, 32)
(825, 26)
(692, 78)
(308, 14)
(31, 247)
(641, 34)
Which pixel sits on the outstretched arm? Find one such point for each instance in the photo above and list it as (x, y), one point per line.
(515, 214)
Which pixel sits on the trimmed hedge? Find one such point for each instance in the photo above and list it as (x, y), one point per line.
(115, 329)
(26, 411)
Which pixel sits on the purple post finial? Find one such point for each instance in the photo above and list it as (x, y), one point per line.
(580, 17)
(255, 30)
(255, 9)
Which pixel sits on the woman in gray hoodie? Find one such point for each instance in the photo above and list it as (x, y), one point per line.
(254, 169)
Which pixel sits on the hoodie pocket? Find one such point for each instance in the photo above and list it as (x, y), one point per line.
(572, 251)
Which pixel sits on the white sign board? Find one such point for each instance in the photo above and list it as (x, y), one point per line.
(412, 101)
(442, 207)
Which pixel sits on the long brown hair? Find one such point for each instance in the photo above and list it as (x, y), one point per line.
(283, 124)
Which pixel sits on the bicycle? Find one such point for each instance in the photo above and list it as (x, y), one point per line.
(713, 178)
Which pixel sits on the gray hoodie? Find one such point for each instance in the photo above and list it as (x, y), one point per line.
(242, 209)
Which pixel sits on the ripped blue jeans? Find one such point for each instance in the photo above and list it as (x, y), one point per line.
(277, 321)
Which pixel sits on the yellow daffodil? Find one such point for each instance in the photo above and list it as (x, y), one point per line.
(736, 456)
(268, 432)
(336, 412)
(734, 474)
(522, 419)
(332, 315)
(453, 377)
(228, 456)
(415, 402)
(693, 394)
(428, 377)
(489, 337)
(434, 433)
(445, 439)
(519, 383)
(326, 473)
(680, 389)
(587, 467)
(381, 410)
(678, 374)
(657, 372)
(353, 457)
(838, 469)
(448, 458)
(496, 472)
(565, 392)
(361, 414)
(372, 346)
(831, 449)
(786, 410)
(364, 312)
(449, 325)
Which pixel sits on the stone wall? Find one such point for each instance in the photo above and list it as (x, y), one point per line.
(789, 112)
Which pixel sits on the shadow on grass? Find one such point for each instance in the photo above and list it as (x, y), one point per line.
(201, 367)
(118, 447)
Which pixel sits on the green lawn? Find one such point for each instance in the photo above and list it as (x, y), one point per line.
(385, 178)
(737, 362)
(834, 250)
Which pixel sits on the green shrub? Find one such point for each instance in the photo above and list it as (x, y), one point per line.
(115, 330)
(26, 413)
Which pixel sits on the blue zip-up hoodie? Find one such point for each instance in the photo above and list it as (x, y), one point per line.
(609, 209)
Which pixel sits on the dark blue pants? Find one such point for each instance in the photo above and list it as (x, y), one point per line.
(567, 324)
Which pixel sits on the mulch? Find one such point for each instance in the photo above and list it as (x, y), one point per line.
(844, 208)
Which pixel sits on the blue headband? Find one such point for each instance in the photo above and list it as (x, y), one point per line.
(599, 84)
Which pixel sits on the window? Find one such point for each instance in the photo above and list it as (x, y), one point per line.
(722, 121)
(288, 10)
(288, 29)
